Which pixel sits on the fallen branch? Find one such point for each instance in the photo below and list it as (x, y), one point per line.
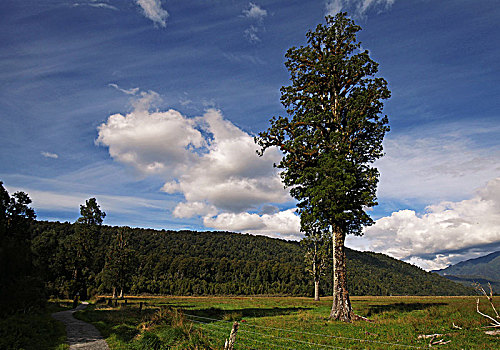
(361, 318)
(439, 342)
(494, 323)
(425, 336)
(489, 297)
(455, 326)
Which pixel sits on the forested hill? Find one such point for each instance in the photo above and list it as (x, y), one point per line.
(208, 263)
(485, 269)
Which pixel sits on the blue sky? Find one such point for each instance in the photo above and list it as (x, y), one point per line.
(150, 106)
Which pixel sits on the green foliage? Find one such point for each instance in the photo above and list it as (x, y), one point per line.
(224, 263)
(20, 288)
(91, 213)
(120, 261)
(86, 264)
(335, 131)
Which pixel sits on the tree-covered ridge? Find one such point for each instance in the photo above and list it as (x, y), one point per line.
(215, 263)
(487, 267)
(483, 270)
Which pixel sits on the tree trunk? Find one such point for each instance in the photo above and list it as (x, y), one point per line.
(114, 293)
(341, 308)
(316, 290)
(121, 293)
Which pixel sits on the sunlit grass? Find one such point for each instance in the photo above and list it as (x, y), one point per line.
(286, 322)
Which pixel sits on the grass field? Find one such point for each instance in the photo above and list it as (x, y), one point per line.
(292, 323)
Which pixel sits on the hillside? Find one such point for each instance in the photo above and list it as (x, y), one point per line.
(209, 263)
(484, 270)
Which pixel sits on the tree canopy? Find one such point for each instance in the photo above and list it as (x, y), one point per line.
(333, 134)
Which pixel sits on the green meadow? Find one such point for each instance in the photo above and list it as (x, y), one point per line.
(292, 323)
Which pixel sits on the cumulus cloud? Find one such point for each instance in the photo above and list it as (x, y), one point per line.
(286, 223)
(207, 159)
(446, 233)
(358, 7)
(49, 155)
(152, 143)
(152, 9)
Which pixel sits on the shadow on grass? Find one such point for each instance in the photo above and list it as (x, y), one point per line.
(214, 314)
(399, 307)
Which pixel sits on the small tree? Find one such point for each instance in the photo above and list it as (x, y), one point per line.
(318, 250)
(334, 135)
(120, 262)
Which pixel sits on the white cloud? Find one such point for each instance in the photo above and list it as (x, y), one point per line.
(358, 7)
(435, 168)
(49, 155)
(254, 11)
(448, 232)
(132, 91)
(152, 143)
(97, 4)
(190, 209)
(284, 224)
(152, 9)
(207, 159)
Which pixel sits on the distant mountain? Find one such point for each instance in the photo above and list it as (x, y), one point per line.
(479, 270)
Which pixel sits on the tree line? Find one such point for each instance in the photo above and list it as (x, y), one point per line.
(42, 259)
(147, 261)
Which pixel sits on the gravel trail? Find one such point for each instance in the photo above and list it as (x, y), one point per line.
(81, 335)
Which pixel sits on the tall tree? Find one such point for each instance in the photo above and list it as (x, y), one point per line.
(84, 244)
(91, 213)
(120, 262)
(332, 137)
(19, 287)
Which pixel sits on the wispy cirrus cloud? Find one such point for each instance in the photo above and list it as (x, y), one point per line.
(49, 155)
(131, 91)
(437, 164)
(254, 11)
(257, 14)
(152, 9)
(97, 4)
(357, 7)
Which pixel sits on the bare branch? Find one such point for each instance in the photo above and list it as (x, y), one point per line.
(494, 323)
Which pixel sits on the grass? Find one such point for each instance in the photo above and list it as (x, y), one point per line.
(34, 330)
(290, 323)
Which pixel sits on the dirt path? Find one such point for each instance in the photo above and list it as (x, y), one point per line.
(81, 335)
